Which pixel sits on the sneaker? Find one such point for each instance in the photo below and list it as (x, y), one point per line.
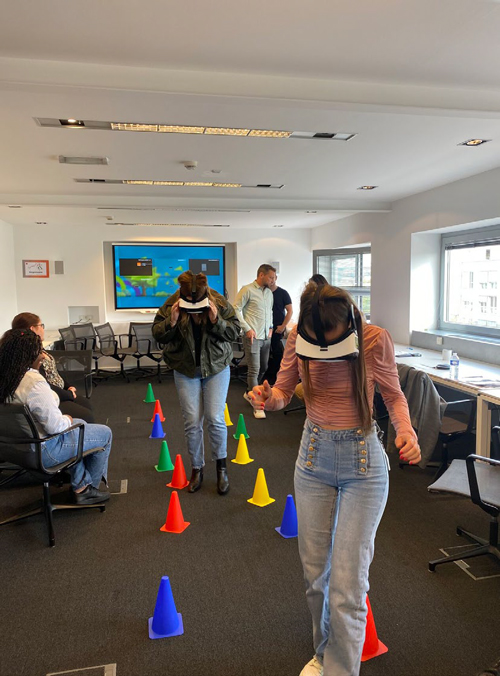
(91, 496)
(312, 668)
(259, 413)
(246, 396)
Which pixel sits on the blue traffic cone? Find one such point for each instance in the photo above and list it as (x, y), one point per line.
(157, 432)
(288, 528)
(166, 621)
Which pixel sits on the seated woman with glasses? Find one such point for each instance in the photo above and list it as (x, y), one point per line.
(71, 403)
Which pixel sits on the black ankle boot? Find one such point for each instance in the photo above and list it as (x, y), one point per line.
(196, 480)
(222, 480)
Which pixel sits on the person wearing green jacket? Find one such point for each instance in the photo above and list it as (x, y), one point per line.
(197, 326)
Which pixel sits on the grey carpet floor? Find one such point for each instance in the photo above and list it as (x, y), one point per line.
(237, 583)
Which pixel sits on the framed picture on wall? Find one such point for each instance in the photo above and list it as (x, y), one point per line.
(35, 268)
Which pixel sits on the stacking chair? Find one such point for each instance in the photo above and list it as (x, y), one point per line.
(145, 346)
(21, 445)
(111, 345)
(69, 339)
(478, 478)
(84, 334)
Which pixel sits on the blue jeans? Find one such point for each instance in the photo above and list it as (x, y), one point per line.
(94, 466)
(341, 487)
(199, 398)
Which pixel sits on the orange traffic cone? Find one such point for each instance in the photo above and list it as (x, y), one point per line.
(174, 522)
(373, 647)
(159, 411)
(179, 480)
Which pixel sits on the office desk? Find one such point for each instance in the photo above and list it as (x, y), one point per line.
(467, 369)
(485, 401)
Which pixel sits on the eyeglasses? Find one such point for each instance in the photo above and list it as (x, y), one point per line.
(42, 325)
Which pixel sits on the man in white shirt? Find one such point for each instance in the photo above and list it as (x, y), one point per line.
(254, 309)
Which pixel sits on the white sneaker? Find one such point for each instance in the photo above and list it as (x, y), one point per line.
(312, 668)
(246, 396)
(259, 413)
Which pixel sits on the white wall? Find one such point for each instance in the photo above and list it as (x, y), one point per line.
(87, 279)
(449, 207)
(8, 297)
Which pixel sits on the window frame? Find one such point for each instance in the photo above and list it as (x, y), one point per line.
(364, 291)
(477, 237)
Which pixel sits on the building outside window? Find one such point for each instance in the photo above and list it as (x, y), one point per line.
(469, 282)
(350, 269)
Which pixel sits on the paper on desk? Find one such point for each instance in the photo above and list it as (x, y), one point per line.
(481, 381)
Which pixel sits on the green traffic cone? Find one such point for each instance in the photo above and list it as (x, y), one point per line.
(165, 462)
(241, 428)
(150, 397)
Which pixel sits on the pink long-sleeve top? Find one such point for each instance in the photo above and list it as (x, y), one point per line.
(331, 403)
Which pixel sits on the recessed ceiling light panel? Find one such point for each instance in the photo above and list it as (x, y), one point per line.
(367, 187)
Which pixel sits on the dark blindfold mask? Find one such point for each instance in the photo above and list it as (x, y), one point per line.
(197, 303)
(345, 348)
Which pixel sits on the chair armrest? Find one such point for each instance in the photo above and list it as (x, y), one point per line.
(143, 345)
(88, 385)
(473, 485)
(124, 335)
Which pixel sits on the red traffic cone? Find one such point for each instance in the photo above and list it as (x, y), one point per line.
(179, 480)
(373, 647)
(159, 411)
(175, 521)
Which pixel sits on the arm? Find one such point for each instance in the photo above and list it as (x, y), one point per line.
(226, 326)
(240, 302)
(44, 407)
(288, 317)
(279, 396)
(163, 330)
(385, 373)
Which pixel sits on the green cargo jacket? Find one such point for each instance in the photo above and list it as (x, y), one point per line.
(216, 339)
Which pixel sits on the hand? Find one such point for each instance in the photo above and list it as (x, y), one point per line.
(70, 418)
(73, 390)
(270, 334)
(409, 449)
(212, 312)
(174, 313)
(260, 394)
(281, 328)
(250, 334)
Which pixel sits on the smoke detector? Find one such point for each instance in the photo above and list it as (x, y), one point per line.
(190, 164)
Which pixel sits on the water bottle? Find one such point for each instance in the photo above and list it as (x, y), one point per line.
(454, 364)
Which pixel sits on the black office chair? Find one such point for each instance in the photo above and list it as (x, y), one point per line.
(476, 477)
(458, 422)
(76, 367)
(69, 339)
(18, 435)
(145, 346)
(237, 369)
(112, 345)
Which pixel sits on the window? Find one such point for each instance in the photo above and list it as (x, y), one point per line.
(470, 269)
(349, 269)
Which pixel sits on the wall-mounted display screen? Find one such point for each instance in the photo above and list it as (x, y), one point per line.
(145, 275)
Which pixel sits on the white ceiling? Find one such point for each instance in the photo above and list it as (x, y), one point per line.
(411, 78)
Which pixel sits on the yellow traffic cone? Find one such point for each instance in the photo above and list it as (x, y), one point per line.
(260, 493)
(227, 417)
(242, 456)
